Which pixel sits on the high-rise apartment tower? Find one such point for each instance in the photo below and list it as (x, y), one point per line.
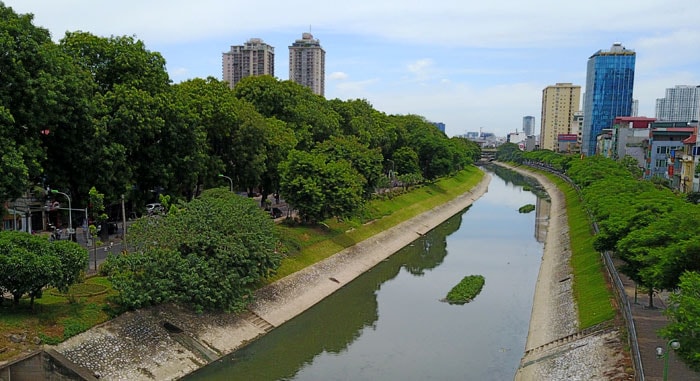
(680, 104)
(252, 58)
(529, 125)
(307, 63)
(559, 103)
(609, 84)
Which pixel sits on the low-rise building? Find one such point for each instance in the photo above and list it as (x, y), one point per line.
(665, 145)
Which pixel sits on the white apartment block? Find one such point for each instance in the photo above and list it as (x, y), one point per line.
(307, 63)
(681, 104)
(255, 57)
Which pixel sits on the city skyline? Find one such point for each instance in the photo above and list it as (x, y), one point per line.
(472, 66)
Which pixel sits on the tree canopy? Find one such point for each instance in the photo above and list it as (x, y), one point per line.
(30, 263)
(102, 112)
(207, 254)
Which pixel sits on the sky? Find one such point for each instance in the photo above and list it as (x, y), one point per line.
(471, 65)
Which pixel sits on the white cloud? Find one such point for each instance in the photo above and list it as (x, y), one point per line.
(337, 76)
(353, 89)
(421, 69)
(498, 23)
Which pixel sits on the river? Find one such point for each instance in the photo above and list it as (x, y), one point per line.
(390, 323)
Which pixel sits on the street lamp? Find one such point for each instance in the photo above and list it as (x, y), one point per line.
(70, 214)
(661, 354)
(229, 180)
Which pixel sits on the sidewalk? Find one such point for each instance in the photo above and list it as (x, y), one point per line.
(647, 323)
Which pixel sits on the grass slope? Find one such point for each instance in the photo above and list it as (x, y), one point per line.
(594, 297)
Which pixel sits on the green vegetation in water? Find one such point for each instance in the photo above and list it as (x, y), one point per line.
(526, 208)
(467, 289)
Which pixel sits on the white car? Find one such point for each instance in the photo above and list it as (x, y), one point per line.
(154, 208)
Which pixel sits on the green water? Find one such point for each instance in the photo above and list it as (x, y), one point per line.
(389, 324)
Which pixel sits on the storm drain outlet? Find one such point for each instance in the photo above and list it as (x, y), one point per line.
(172, 328)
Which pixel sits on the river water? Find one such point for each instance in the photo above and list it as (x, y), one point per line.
(390, 323)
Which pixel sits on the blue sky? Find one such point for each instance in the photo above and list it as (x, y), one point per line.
(469, 65)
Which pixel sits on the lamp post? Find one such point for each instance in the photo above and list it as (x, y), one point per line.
(230, 180)
(70, 214)
(661, 354)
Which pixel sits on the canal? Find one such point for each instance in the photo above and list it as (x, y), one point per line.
(390, 323)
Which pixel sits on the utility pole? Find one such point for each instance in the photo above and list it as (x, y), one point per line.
(123, 225)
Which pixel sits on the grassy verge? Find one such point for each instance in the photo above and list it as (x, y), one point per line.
(594, 297)
(313, 244)
(55, 316)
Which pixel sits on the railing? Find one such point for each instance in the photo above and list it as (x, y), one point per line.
(620, 293)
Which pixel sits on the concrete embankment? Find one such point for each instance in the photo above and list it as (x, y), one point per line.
(168, 342)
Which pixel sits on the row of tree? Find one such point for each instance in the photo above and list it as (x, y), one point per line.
(654, 231)
(100, 112)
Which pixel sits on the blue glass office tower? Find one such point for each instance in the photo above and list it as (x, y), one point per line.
(609, 83)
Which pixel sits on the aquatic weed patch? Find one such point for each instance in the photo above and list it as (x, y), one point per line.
(466, 290)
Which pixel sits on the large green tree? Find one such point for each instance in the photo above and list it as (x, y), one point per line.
(30, 263)
(319, 187)
(207, 254)
(309, 115)
(684, 312)
(44, 96)
(366, 161)
(121, 147)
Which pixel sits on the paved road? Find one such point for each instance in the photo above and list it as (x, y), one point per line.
(648, 322)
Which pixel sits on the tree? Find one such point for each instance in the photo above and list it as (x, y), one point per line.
(406, 161)
(684, 312)
(128, 98)
(307, 114)
(208, 254)
(359, 119)
(633, 166)
(37, 96)
(319, 187)
(97, 216)
(13, 170)
(30, 263)
(367, 162)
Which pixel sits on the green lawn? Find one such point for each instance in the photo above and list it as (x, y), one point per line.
(55, 316)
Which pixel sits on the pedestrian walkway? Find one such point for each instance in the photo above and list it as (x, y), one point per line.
(648, 322)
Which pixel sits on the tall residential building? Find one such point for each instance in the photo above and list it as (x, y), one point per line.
(252, 58)
(609, 84)
(529, 125)
(680, 104)
(307, 63)
(559, 103)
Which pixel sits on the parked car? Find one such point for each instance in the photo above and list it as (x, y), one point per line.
(154, 208)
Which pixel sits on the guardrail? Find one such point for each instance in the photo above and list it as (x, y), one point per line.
(620, 294)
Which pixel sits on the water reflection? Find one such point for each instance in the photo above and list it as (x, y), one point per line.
(389, 324)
